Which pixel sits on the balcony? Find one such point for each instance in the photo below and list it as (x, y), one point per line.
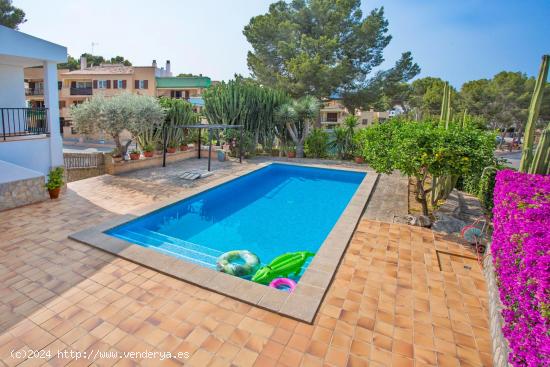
(34, 91)
(81, 91)
(16, 122)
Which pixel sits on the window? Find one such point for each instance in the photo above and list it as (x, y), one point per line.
(83, 85)
(102, 84)
(141, 84)
(332, 117)
(119, 84)
(365, 121)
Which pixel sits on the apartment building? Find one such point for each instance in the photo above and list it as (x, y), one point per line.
(333, 113)
(110, 79)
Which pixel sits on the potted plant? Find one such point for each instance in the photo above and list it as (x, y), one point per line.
(148, 151)
(359, 159)
(55, 182)
(171, 149)
(134, 154)
(183, 144)
(291, 152)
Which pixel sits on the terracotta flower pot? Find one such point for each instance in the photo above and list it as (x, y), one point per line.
(184, 147)
(54, 193)
(134, 156)
(148, 154)
(359, 160)
(171, 150)
(290, 154)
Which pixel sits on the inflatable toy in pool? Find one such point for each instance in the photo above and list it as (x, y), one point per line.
(283, 284)
(238, 262)
(282, 267)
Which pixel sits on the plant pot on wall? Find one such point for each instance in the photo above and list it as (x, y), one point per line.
(148, 154)
(134, 156)
(171, 149)
(359, 160)
(184, 147)
(291, 154)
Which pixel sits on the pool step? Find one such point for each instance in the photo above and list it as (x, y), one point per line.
(172, 246)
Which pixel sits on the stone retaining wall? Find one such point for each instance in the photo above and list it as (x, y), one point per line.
(499, 343)
(22, 192)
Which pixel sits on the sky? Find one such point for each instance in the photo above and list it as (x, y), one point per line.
(457, 40)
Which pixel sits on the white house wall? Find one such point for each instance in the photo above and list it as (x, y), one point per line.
(12, 88)
(32, 153)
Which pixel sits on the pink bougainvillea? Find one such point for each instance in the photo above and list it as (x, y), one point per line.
(521, 251)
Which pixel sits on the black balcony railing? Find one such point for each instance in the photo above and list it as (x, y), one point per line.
(81, 91)
(23, 122)
(34, 92)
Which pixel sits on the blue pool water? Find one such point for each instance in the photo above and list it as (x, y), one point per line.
(277, 209)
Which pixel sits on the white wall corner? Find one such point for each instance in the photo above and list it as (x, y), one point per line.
(51, 101)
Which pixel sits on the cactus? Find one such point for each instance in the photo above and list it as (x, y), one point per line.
(442, 186)
(444, 104)
(534, 108)
(178, 113)
(239, 102)
(541, 159)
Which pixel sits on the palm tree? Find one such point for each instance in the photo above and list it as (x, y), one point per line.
(298, 116)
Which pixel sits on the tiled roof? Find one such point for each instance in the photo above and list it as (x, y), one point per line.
(104, 69)
(185, 82)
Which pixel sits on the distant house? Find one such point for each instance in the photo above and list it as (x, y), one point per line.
(333, 113)
(30, 140)
(189, 88)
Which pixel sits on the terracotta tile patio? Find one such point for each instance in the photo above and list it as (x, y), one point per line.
(389, 304)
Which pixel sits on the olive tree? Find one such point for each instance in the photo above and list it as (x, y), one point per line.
(114, 115)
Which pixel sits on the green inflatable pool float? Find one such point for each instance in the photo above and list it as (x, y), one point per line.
(282, 267)
(238, 262)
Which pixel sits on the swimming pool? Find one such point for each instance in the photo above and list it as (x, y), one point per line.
(277, 209)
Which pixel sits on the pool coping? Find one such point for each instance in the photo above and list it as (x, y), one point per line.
(302, 304)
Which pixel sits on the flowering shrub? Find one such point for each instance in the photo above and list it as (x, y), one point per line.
(521, 250)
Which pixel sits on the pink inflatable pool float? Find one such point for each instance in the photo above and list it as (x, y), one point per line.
(281, 283)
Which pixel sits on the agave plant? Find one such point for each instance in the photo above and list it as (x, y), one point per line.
(343, 141)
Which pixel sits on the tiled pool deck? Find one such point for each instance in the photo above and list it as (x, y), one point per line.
(389, 304)
(302, 304)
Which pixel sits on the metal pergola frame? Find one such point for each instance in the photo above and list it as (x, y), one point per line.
(210, 128)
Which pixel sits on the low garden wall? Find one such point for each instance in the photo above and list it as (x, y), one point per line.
(79, 166)
(115, 167)
(499, 344)
(521, 258)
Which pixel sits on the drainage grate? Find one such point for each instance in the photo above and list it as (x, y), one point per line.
(451, 262)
